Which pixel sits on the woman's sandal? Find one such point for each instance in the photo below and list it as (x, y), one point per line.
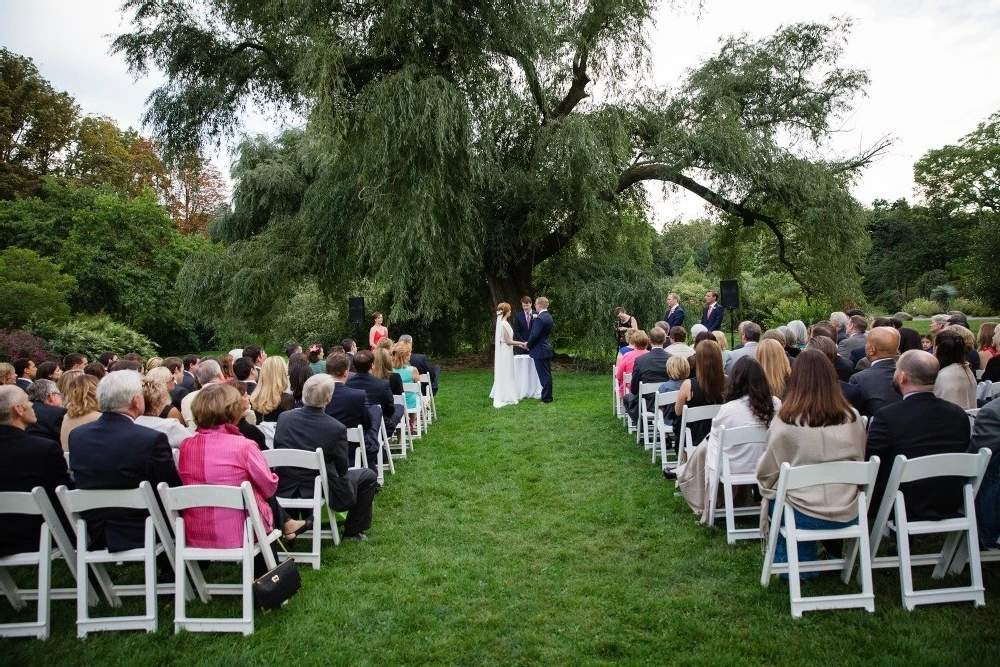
(307, 526)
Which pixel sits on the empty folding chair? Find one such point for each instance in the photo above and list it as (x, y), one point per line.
(297, 458)
(960, 529)
(256, 540)
(414, 387)
(857, 473)
(979, 373)
(665, 433)
(730, 440)
(36, 503)
(615, 400)
(75, 503)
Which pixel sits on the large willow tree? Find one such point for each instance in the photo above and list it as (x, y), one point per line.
(452, 146)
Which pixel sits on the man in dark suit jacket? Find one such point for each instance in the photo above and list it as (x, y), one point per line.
(190, 362)
(308, 428)
(116, 453)
(876, 382)
(47, 401)
(540, 349)
(29, 461)
(521, 323)
(711, 316)
(25, 370)
(986, 433)
(650, 367)
(920, 424)
(674, 317)
(351, 408)
(378, 390)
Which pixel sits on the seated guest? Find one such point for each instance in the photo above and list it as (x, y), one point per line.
(25, 370)
(408, 373)
(299, 371)
(707, 387)
(169, 411)
(207, 372)
(421, 363)
(49, 410)
(796, 341)
(909, 339)
(843, 367)
(256, 355)
(628, 347)
(176, 368)
(678, 370)
(859, 355)
(116, 453)
(984, 343)
(927, 342)
(648, 368)
(855, 336)
(316, 361)
(74, 362)
(292, 349)
(720, 338)
(382, 368)
(955, 381)
(271, 397)
(219, 454)
(876, 382)
(248, 430)
(991, 371)
(839, 323)
(971, 353)
(640, 343)
(678, 343)
(750, 338)
(748, 402)
(107, 358)
(189, 362)
(62, 386)
(919, 425)
(129, 365)
(137, 358)
(80, 401)
(96, 368)
(852, 392)
(986, 433)
(815, 424)
(351, 348)
(773, 360)
(378, 389)
(158, 408)
(309, 428)
(8, 375)
(29, 461)
(226, 364)
(155, 362)
(244, 371)
(351, 408)
(48, 370)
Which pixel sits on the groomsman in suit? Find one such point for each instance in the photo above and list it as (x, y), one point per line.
(522, 324)
(711, 316)
(675, 314)
(539, 347)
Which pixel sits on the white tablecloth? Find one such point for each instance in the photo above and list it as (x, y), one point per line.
(526, 377)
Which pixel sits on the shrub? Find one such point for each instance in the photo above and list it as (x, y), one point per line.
(33, 289)
(311, 317)
(93, 335)
(943, 295)
(786, 310)
(922, 307)
(929, 280)
(16, 345)
(971, 307)
(902, 315)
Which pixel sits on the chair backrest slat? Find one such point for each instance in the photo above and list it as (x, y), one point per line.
(82, 500)
(356, 435)
(646, 388)
(701, 412)
(938, 465)
(291, 458)
(860, 473)
(180, 498)
(741, 435)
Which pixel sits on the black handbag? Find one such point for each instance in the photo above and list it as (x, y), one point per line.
(276, 586)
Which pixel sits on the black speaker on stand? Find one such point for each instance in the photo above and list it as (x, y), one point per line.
(730, 292)
(356, 305)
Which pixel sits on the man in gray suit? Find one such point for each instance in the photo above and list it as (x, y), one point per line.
(986, 433)
(309, 428)
(750, 337)
(856, 328)
(876, 382)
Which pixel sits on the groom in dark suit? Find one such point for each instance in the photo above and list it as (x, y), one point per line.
(539, 347)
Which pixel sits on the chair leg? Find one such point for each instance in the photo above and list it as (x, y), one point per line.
(152, 608)
(248, 587)
(792, 549)
(727, 490)
(10, 589)
(44, 583)
(905, 564)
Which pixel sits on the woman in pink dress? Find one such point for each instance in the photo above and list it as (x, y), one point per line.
(640, 341)
(219, 454)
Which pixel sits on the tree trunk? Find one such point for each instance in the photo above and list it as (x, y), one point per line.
(510, 284)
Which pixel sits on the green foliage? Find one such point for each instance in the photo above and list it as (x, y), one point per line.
(786, 310)
(93, 335)
(310, 317)
(922, 307)
(971, 307)
(943, 294)
(33, 289)
(20, 344)
(928, 281)
(679, 243)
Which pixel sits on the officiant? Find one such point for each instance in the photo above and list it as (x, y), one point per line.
(522, 324)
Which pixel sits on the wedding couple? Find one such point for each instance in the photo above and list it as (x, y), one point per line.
(539, 327)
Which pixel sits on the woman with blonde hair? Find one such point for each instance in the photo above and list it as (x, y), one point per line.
(772, 358)
(640, 342)
(984, 343)
(154, 362)
(226, 364)
(727, 356)
(64, 380)
(158, 412)
(382, 369)
(80, 401)
(271, 396)
(401, 367)
(163, 374)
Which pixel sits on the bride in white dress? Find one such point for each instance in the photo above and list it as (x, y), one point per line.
(504, 390)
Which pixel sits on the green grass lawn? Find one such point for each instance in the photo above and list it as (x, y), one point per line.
(542, 535)
(924, 325)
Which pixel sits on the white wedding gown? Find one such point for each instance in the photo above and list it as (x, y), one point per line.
(504, 390)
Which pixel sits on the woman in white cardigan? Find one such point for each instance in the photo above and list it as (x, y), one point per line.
(955, 382)
(815, 424)
(748, 403)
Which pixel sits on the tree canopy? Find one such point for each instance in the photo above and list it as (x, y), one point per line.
(451, 148)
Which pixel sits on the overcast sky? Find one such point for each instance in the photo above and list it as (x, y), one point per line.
(933, 67)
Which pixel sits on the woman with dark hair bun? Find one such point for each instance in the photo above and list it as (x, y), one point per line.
(815, 424)
(299, 371)
(748, 403)
(909, 339)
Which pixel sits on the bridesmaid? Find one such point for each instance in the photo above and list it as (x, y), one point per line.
(377, 332)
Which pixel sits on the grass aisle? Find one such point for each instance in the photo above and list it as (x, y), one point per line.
(542, 534)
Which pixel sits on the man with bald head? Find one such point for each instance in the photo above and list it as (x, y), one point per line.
(920, 424)
(876, 382)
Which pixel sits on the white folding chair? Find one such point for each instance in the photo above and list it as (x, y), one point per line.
(626, 419)
(256, 540)
(356, 436)
(994, 390)
(383, 460)
(75, 503)
(428, 394)
(971, 467)
(857, 473)
(984, 389)
(36, 503)
(402, 432)
(690, 415)
(979, 374)
(647, 417)
(664, 401)
(728, 440)
(616, 403)
(267, 428)
(298, 458)
(414, 387)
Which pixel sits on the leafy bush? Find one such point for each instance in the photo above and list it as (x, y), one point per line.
(311, 317)
(16, 344)
(922, 307)
(786, 310)
(93, 335)
(971, 307)
(943, 295)
(929, 280)
(33, 289)
(902, 315)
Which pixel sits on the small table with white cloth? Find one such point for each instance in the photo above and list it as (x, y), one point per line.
(526, 377)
